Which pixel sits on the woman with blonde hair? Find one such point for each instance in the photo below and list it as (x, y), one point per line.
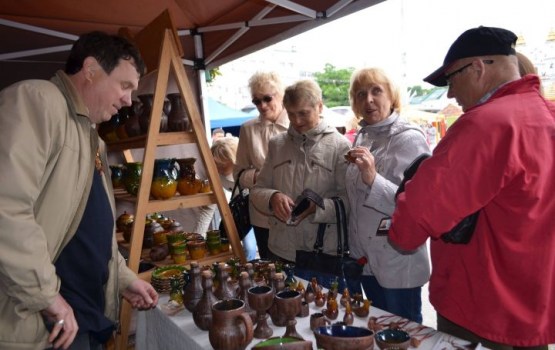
(384, 147)
(267, 95)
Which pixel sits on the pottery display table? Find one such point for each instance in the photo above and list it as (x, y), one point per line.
(158, 331)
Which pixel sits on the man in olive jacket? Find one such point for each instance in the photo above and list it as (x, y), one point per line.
(60, 270)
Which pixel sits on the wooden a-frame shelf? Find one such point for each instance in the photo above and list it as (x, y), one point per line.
(170, 62)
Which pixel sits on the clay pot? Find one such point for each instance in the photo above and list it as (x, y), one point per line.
(151, 227)
(159, 252)
(197, 249)
(231, 326)
(123, 220)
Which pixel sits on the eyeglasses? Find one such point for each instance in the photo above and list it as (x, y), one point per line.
(265, 99)
(449, 76)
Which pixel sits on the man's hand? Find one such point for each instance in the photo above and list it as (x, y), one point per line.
(141, 295)
(65, 325)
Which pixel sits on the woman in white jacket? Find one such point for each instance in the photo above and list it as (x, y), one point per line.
(384, 147)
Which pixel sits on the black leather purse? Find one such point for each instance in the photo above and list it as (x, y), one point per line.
(463, 231)
(239, 206)
(340, 265)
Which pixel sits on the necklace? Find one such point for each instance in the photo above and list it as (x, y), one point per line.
(98, 162)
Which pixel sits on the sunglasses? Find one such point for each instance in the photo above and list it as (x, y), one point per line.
(265, 99)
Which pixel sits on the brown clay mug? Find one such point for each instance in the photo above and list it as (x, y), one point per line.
(231, 326)
(318, 320)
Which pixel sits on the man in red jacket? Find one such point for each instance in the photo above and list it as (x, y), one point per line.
(498, 159)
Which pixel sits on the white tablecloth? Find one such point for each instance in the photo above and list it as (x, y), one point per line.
(158, 331)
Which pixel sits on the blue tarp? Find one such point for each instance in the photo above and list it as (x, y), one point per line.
(222, 116)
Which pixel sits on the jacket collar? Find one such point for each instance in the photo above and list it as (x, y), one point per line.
(282, 120)
(313, 134)
(392, 125)
(75, 103)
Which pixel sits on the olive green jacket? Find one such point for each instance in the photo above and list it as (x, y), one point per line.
(47, 156)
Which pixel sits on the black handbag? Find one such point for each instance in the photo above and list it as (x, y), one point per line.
(340, 265)
(463, 231)
(239, 207)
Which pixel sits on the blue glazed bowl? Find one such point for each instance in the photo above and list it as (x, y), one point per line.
(392, 339)
(344, 337)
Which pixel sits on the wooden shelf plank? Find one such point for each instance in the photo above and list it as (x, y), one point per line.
(164, 139)
(189, 201)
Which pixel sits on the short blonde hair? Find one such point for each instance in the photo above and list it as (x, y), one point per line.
(525, 66)
(262, 80)
(225, 149)
(364, 78)
(303, 90)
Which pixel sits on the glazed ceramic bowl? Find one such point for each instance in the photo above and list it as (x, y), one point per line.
(288, 343)
(392, 339)
(344, 337)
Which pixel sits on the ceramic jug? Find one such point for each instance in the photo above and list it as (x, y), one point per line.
(244, 285)
(164, 179)
(144, 117)
(116, 175)
(231, 326)
(188, 183)
(177, 117)
(132, 126)
(132, 177)
(192, 292)
(223, 289)
(202, 314)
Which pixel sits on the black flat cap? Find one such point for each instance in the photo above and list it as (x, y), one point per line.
(481, 41)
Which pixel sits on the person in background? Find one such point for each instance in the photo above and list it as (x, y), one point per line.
(61, 274)
(498, 159)
(217, 134)
(384, 147)
(308, 156)
(525, 66)
(224, 151)
(267, 95)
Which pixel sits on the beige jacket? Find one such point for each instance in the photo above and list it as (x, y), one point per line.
(254, 137)
(295, 162)
(47, 152)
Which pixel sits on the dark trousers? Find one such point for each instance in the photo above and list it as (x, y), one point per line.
(261, 235)
(446, 326)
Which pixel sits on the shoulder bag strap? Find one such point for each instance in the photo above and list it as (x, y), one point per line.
(319, 243)
(343, 212)
(338, 224)
(237, 185)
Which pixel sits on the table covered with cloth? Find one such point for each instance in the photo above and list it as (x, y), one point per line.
(157, 330)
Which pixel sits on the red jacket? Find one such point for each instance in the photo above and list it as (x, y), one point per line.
(499, 156)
